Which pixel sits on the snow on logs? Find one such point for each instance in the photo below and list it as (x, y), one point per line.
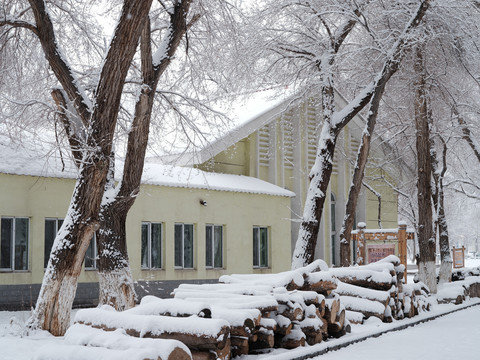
(245, 314)
(83, 335)
(198, 334)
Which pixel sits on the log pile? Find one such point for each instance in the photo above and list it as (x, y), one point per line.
(378, 290)
(248, 314)
(456, 292)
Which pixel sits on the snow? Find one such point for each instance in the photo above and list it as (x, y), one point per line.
(149, 323)
(18, 160)
(451, 336)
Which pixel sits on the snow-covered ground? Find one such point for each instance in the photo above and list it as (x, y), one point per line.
(451, 336)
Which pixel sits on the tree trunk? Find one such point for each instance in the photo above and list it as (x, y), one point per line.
(57, 293)
(359, 172)
(426, 241)
(317, 192)
(115, 278)
(445, 273)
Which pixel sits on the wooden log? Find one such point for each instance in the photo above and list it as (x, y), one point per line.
(84, 335)
(203, 355)
(365, 306)
(345, 289)
(232, 301)
(334, 328)
(354, 317)
(214, 332)
(239, 346)
(284, 324)
(151, 305)
(365, 278)
(321, 282)
(295, 313)
(264, 339)
(315, 338)
(293, 340)
(224, 353)
(332, 305)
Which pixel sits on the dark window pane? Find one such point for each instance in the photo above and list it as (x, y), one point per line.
(156, 243)
(263, 247)
(188, 246)
(179, 245)
(91, 254)
(218, 251)
(145, 246)
(21, 244)
(6, 244)
(256, 246)
(50, 233)
(208, 246)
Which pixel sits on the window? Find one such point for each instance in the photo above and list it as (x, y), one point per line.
(91, 254)
(333, 231)
(14, 243)
(214, 246)
(151, 245)
(51, 229)
(184, 246)
(260, 247)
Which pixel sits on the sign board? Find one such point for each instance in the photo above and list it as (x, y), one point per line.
(458, 257)
(377, 252)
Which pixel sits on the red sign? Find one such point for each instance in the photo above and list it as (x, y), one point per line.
(379, 251)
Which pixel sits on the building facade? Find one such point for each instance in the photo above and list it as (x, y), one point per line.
(185, 225)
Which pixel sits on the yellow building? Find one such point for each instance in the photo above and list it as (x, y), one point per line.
(186, 225)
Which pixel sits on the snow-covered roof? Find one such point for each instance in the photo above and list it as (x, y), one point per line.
(21, 160)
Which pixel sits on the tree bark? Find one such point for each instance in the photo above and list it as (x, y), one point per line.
(359, 173)
(426, 241)
(445, 273)
(56, 296)
(115, 278)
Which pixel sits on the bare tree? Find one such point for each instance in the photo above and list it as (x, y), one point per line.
(426, 240)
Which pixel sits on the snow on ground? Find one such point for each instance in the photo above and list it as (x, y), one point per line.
(453, 336)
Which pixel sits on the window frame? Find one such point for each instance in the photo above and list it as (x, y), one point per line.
(93, 245)
(149, 246)
(212, 265)
(257, 248)
(12, 244)
(46, 257)
(182, 247)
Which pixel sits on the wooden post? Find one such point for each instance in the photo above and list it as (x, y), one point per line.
(402, 246)
(361, 246)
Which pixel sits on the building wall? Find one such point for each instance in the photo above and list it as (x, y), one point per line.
(38, 198)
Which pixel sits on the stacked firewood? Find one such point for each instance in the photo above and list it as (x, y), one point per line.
(465, 283)
(378, 290)
(295, 307)
(244, 314)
